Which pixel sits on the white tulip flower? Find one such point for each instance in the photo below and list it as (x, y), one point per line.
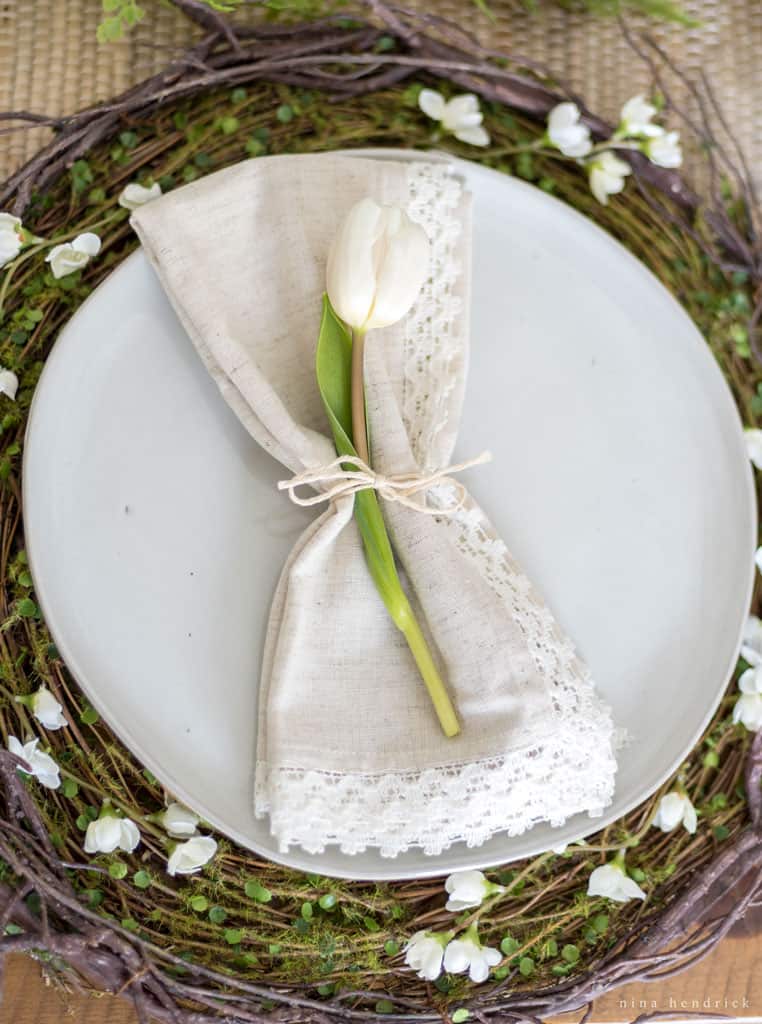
(424, 952)
(611, 881)
(376, 266)
(70, 256)
(134, 195)
(460, 115)
(9, 384)
(46, 709)
(109, 833)
(468, 954)
(179, 821)
(11, 238)
(607, 174)
(636, 119)
(754, 445)
(468, 889)
(664, 150)
(566, 131)
(675, 809)
(190, 856)
(41, 765)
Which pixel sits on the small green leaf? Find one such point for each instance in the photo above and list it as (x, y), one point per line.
(238, 95)
(711, 759)
(128, 139)
(229, 125)
(199, 903)
(284, 113)
(233, 936)
(142, 879)
(130, 924)
(301, 925)
(570, 953)
(371, 924)
(117, 869)
(502, 972)
(257, 892)
(721, 832)
(551, 947)
(254, 147)
(24, 579)
(69, 788)
(638, 874)
(27, 609)
(327, 902)
(217, 915)
(460, 1015)
(82, 822)
(391, 948)
(307, 911)
(509, 946)
(601, 923)
(326, 990)
(89, 716)
(526, 966)
(274, 948)
(13, 929)
(385, 1006)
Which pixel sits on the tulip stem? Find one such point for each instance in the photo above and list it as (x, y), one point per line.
(359, 423)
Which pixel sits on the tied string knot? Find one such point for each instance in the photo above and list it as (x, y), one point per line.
(335, 480)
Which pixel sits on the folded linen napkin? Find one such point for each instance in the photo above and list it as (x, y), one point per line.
(349, 749)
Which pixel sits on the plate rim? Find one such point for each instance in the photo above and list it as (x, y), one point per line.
(296, 859)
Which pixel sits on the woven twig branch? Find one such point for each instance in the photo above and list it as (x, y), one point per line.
(339, 61)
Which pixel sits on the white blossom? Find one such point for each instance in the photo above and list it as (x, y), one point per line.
(70, 256)
(636, 119)
(468, 889)
(134, 195)
(468, 954)
(607, 175)
(461, 115)
(748, 711)
(46, 709)
(11, 238)
(566, 131)
(424, 953)
(109, 833)
(179, 821)
(190, 856)
(376, 266)
(758, 558)
(611, 881)
(9, 383)
(754, 445)
(675, 809)
(41, 765)
(664, 150)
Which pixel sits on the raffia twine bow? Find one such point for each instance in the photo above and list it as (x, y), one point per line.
(335, 481)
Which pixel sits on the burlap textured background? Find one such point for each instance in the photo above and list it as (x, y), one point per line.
(50, 61)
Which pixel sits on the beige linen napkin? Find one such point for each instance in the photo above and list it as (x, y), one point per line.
(349, 750)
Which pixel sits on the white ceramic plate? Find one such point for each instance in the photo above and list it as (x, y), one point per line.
(156, 534)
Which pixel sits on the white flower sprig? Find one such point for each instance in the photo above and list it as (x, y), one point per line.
(567, 133)
(460, 115)
(468, 954)
(468, 889)
(675, 809)
(612, 882)
(11, 237)
(9, 383)
(179, 821)
(41, 766)
(134, 195)
(110, 831)
(748, 708)
(68, 257)
(424, 952)
(45, 708)
(188, 857)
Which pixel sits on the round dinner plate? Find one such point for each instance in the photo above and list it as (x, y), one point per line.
(620, 481)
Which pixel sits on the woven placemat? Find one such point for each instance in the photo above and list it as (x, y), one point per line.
(50, 61)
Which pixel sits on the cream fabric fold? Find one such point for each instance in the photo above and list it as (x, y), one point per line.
(349, 751)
